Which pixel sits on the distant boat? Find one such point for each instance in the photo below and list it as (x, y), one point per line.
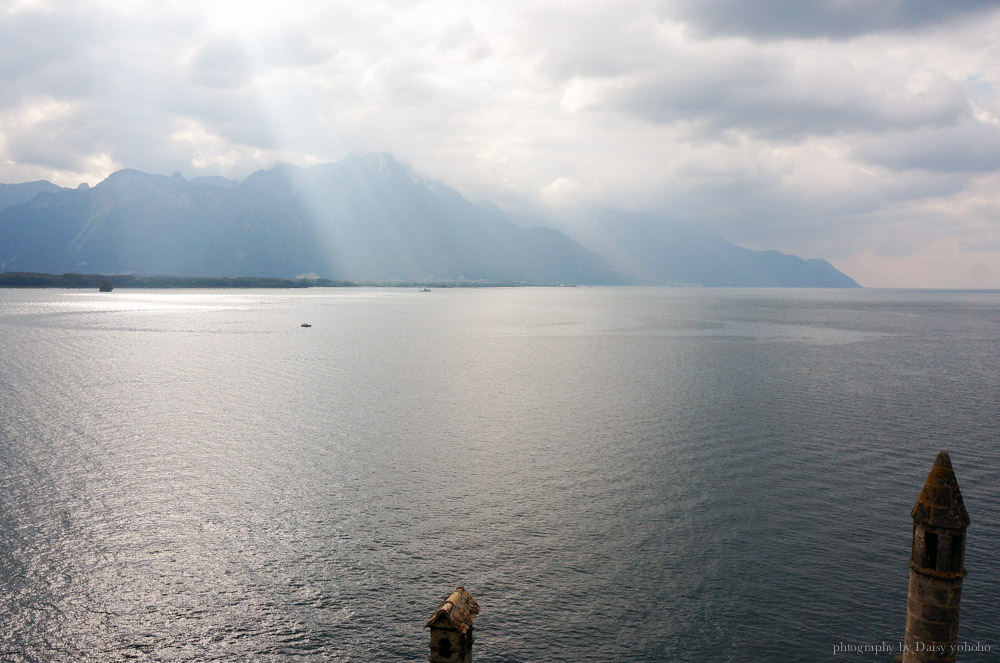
(425, 290)
(105, 286)
(305, 324)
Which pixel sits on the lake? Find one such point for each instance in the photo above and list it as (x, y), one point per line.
(643, 474)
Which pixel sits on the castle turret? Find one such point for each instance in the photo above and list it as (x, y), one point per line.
(937, 566)
(451, 628)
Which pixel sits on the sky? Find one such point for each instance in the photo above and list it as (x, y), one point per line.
(865, 132)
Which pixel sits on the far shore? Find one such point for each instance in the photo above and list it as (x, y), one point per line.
(102, 281)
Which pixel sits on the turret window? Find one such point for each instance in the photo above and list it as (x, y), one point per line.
(930, 550)
(956, 552)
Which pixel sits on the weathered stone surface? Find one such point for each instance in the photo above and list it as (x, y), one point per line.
(932, 613)
(936, 568)
(940, 503)
(942, 596)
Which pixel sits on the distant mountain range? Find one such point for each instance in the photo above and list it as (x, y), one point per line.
(366, 218)
(657, 251)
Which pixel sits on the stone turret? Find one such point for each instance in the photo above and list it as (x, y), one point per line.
(937, 566)
(451, 628)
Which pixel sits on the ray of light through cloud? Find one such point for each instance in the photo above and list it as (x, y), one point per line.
(866, 135)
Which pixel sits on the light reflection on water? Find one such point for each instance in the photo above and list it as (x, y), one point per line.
(680, 475)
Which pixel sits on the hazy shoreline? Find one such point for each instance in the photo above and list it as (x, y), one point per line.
(84, 281)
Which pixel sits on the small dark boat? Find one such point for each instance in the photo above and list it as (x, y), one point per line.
(305, 324)
(105, 286)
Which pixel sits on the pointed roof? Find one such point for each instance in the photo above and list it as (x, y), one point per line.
(940, 502)
(457, 611)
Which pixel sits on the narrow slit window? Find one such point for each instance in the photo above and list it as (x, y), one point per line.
(956, 552)
(930, 549)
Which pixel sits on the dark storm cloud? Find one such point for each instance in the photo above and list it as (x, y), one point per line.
(809, 19)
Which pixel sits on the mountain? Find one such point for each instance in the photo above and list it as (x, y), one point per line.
(13, 194)
(365, 218)
(658, 252)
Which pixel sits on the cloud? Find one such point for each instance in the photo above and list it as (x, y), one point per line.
(230, 61)
(46, 54)
(970, 146)
(588, 39)
(830, 19)
(221, 63)
(822, 128)
(779, 90)
(782, 98)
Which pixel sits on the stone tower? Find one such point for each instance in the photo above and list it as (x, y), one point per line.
(451, 628)
(937, 566)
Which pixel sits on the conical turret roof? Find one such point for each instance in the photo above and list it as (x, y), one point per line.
(940, 502)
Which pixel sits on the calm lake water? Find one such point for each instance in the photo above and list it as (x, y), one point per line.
(614, 473)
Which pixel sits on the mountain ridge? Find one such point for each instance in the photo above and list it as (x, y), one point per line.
(670, 252)
(364, 218)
